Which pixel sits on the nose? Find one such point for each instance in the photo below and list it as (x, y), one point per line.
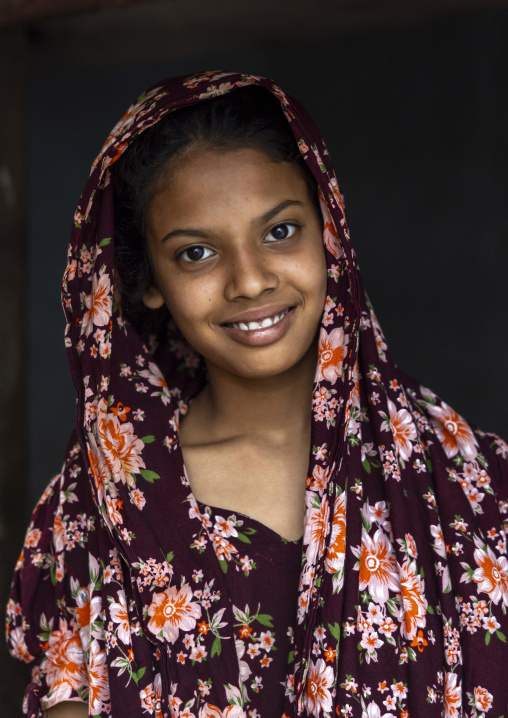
(249, 275)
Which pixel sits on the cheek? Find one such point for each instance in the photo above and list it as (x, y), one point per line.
(316, 271)
(189, 304)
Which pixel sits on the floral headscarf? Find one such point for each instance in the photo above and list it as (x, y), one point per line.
(404, 580)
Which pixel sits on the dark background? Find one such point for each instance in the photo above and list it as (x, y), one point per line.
(415, 116)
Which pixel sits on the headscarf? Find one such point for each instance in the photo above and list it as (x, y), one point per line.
(404, 581)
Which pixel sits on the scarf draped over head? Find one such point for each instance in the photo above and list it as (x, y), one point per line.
(404, 580)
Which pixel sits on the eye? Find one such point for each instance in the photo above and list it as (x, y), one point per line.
(282, 231)
(195, 254)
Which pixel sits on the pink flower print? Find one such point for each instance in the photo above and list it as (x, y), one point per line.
(32, 538)
(331, 355)
(224, 527)
(317, 695)
(98, 304)
(413, 599)
(378, 569)
(98, 675)
(453, 696)
(319, 479)
(374, 711)
(211, 711)
(120, 616)
(483, 699)
(403, 430)
(337, 547)
(453, 432)
(491, 574)
(64, 662)
(17, 645)
(172, 611)
(315, 528)
(138, 498)
(156, 379)
(122, 448)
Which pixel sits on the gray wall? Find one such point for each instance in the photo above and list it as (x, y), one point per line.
(416, 122)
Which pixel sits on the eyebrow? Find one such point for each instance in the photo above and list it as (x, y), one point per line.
(263, 219)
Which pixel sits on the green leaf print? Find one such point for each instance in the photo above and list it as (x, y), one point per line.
(138, 675)
(334, 630)
(105, 242)
(366, 465)
(264, 619)
(149, 476)
(216, 647)
(243, 538)
(148, 439)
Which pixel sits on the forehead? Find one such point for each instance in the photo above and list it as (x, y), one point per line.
(210, 183)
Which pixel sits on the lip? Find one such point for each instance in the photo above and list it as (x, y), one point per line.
(257, 315)
(263, 336)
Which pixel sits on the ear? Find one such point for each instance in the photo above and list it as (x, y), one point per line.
(153, 299)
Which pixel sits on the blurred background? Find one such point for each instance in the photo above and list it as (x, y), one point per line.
(412, 101)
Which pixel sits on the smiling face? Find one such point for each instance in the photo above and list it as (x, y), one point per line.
(237, 250)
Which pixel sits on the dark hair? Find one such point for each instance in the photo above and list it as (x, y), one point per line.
(248, 117)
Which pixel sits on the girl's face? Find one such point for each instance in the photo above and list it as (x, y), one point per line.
(237, 250)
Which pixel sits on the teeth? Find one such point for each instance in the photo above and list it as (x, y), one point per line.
(263, 324)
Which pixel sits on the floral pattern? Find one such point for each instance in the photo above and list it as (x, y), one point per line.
(123, 594)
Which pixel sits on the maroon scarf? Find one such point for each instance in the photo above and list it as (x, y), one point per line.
(404, 583)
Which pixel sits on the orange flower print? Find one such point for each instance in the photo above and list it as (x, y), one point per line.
(32, 538)
(378, 569)
(453, 432)
(120, 616)
(453, 696)
(122, 448)
(58, 533)
(420, 641)
(151, 698)
(155, 378)
(99, 467)
(319, 479)
(64, 662)
(411, 545)
(210, 711)
(317, 696)
(17, 645)
(315, 528)
(83, 607)
(330, 236)
(483, 699)
(403, 430)
(331, 354)
(83, 615)
(172, 611)
(98, 304)
(413, 599)
(98, 675)
(491, 574)
(337, 548)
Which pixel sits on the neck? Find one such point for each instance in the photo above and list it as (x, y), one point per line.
(273, 410)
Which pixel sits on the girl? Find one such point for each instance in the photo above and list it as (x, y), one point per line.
(260, 515)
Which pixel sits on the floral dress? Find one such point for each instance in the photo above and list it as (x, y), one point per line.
(124, 594)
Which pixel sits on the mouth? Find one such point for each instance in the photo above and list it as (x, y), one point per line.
(260, 324)
(261, 330)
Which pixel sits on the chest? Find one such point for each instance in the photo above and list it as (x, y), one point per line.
(264, 483)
